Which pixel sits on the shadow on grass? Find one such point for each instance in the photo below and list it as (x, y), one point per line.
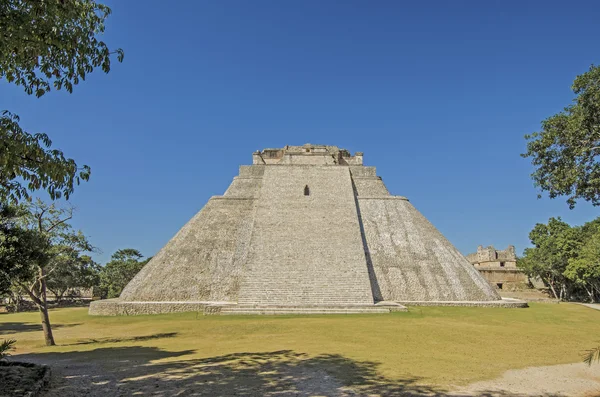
(91, 341)
(17, 327)
(115, 371)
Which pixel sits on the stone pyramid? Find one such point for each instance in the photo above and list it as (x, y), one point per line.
(304, 229)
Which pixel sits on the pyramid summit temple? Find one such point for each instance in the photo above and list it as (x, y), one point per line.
(304, 229)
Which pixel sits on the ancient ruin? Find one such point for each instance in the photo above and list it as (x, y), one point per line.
(304, 229)
(499, 267)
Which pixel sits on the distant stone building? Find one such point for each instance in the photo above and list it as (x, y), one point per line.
(499, 267)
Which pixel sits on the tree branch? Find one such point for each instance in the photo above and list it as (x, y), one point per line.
(59, 223)
(48, 272)
(34, 298)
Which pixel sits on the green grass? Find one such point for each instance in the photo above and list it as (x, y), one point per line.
(439, 346)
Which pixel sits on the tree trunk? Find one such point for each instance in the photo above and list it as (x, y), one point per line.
(551, 284)
(15, 301)
(58, 297)
(43, 306)
(590, 293)
(562, 291)
(594, 288)
(46, 325)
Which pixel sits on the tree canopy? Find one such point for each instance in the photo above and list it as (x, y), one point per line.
(566, 258)
(123, 266)
(44, 45)
(72, 269)
(565, 152)
(38, 248)
(21, 249)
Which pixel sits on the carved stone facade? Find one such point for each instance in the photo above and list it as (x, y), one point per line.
(499, 267)
(304, 229)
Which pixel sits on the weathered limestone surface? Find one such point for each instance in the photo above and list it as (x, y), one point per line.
(499, 268)
(506, 303)
(305, 229)
(205, 259)
(369, 186)
(118, 307)
(303, 309)
(491, 257)
(306, 249)
(412, 260)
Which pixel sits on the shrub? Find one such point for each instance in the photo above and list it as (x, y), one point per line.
(6, 346)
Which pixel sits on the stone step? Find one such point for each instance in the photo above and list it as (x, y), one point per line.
(319, 309)
(306, 249)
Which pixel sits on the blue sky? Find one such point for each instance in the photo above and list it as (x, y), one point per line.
(437, 94)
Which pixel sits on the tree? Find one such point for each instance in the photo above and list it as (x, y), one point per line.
(44, 45)
(53, 236)
(584, 270)
(28, 164)
(123, 266)
(21, 249)
(555, 244)
(566, 258)
(72, 270)
(565, 152)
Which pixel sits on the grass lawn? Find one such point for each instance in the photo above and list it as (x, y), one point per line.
(434, 346)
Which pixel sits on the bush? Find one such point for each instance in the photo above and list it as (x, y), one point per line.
(5, 347)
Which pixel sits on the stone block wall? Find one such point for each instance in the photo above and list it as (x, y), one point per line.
(412, 260)
(204, 261)
(369, 187)
(491, 255)
(496, 264)
(306, 249)
(494, 276)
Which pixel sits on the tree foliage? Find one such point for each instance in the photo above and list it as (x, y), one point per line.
(44, 45)
(71, 270)
(28, 164)
(52, 43)
(123, 266)
(21, 249)
(584, 269)
(566, 258)
(50, 249)
(67, 265)
(565, 152)
(6, 346)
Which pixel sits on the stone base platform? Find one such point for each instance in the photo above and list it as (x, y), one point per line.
(504, 302)
(118, 307)
(321, 309)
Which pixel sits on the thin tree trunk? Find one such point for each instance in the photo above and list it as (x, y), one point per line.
(46, 327)
(562, 291)
(590, 293)
(551, 284)
(58, 297)
(16, 301)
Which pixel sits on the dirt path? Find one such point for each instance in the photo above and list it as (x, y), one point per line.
(292, 376)
(576, 379)
(591, 305)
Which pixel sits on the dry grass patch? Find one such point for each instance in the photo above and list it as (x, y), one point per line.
(435, 346)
